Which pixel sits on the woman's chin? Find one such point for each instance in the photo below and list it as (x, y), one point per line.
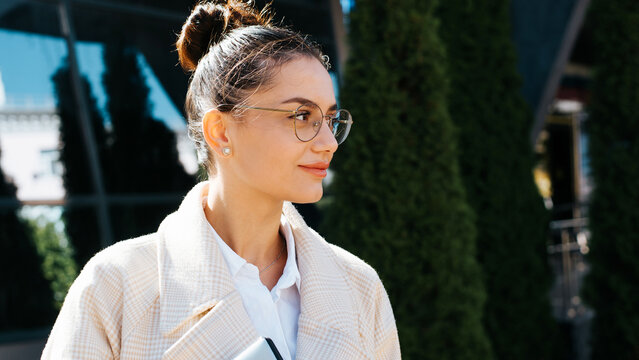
(309, 196)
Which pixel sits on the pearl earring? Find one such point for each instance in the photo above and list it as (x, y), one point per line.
(226, 151)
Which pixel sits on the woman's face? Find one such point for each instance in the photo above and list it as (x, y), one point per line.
(267, 156)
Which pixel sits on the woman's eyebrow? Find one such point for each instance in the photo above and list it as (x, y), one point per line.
(302, 100)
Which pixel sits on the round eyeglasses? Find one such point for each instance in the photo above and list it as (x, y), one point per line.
(308, 119)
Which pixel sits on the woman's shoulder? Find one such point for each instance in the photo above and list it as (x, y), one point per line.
(126, 258)
(125, 273)
(349, 262)
(106, 301)
(354, 265)
(363, 277)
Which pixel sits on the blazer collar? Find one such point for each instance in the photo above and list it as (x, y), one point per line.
(192, 271)
(194, 278)
(325, 293)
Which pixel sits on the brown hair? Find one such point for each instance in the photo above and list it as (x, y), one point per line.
(231, 50)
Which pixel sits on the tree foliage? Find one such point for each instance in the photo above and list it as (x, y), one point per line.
(54, 249)
(26, 300)
(496, 162)
(611, 286)
(398, 201)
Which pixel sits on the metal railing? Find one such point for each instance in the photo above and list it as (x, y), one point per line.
(567, 258)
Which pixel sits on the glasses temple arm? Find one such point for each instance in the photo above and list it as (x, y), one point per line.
(267, 109)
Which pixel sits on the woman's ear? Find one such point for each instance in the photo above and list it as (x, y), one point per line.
(215, 132)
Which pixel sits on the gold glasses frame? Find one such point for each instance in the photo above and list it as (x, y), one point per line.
(330, 119)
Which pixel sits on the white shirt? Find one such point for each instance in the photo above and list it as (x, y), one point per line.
(274, 313)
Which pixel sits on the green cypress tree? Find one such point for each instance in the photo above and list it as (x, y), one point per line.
(58, 266)
(496, 163)
(398, 201)
(611, 287)
(26, 299)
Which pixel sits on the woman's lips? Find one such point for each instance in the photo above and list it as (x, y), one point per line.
(318, 169)
(314, 171)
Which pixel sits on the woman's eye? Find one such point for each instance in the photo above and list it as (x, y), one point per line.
(301, 116)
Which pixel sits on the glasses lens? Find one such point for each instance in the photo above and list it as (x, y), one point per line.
(341, 125)
(308, 121)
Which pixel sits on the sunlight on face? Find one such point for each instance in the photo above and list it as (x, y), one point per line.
(267, 156)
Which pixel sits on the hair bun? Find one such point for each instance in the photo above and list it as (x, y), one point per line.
(208, 23)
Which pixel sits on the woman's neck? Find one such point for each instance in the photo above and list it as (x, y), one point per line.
(247, 221)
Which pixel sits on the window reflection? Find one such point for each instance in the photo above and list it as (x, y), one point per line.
(30, 170)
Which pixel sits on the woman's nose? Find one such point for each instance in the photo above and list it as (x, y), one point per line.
(325, 140)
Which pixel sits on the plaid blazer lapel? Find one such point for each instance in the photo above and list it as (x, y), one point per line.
(328, 326)
(198, 301)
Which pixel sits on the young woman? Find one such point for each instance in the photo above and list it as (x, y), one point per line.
(236, 261)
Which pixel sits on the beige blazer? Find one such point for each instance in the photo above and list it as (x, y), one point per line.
(169, 295)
